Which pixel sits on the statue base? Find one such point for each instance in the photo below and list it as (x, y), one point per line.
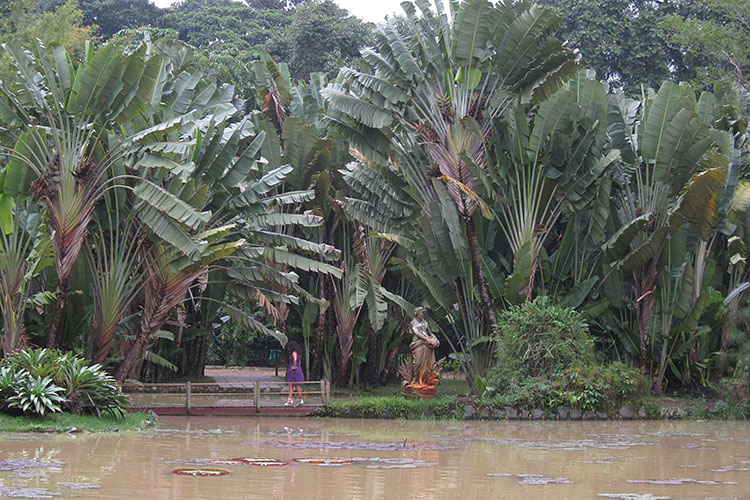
(420, 391)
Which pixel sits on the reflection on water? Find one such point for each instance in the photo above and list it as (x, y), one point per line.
(358, 459)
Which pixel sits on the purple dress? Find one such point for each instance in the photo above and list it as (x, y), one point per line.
(294, 375)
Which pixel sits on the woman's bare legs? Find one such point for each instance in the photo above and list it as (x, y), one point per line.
(299, 393)
(289, 398)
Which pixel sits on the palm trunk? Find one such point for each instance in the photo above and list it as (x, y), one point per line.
(478, 266)
(59, 314)
(645, 288)
(371, 366)
(319, 348)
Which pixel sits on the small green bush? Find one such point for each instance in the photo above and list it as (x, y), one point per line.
(539, 337)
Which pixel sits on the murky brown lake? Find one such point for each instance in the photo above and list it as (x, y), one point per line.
(451, 460)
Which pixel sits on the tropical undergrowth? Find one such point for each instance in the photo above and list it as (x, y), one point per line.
(545, 359)
(44, 381)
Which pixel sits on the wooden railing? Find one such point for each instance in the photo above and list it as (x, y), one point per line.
(194, 395)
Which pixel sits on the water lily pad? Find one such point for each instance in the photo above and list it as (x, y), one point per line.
(673, 481)
(262, 462)
(200, 472)
(350, 445)
(531, 478)
(80, 486)
(17, 465)
(325, 461)
(13, 492)
(226, 461)
(633, 496)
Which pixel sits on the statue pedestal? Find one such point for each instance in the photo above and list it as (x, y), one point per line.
(420, 392)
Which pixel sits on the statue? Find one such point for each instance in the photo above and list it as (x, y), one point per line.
(421, 373)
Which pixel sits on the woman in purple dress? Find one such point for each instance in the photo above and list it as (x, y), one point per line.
(294, 373)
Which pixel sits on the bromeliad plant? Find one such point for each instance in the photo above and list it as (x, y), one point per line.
(44, 380)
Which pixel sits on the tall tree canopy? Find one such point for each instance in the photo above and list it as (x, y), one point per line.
(320, 37)
(23, 21)
(623, 40)
(112, 16)
(724, 40)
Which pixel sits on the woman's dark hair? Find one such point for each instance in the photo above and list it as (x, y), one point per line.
(293, 346)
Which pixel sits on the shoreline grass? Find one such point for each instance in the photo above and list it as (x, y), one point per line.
(66, 422)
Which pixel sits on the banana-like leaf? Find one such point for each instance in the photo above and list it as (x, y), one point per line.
(297, 261)
(647, 250)
(362, 111)
(575, 297)
(154, 358)
(170, 230)
(700, 199)
(27, 151)
(164, 201)
(620, 242)
(246, 321)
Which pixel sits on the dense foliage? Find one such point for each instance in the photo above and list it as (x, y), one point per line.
(545, 359)
(39, 381)
(569, 237)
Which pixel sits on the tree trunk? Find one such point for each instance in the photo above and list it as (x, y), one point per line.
(132, 357)
(342, 378)
(59, 314)
(318, 348)
(478, 266)
(391, 359)
(645, 289)
(371, 367)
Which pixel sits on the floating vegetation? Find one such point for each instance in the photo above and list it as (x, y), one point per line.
(728, 440)
(226, 461)
(13, 492)
(261, 462)
(633, 496)
(393, 463)
(677, 434)
(79, 486)
(349, 445)
(189, 432)
(533, 478)
(325, 461)
(200, 472)
(17, 465)
(732, 468)
(597, 442)
(678, 480)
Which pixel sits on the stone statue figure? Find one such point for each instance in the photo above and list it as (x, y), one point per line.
(421, 373)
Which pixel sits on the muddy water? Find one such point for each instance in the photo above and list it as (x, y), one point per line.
(513, 460)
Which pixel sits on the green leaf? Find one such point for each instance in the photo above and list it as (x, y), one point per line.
(6, 213)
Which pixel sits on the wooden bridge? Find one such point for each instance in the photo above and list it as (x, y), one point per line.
(259, 397)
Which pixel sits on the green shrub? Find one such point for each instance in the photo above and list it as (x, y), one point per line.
(600, 388)
(545, 359)
(394, 407)
(539, 337)
(28, 377)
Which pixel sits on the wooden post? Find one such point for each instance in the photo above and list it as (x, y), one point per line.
(256, 394)
(328, 392)
(323, 391)
(187, 397)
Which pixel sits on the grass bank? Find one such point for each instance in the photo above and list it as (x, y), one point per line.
(455, 402)
(66, 422)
